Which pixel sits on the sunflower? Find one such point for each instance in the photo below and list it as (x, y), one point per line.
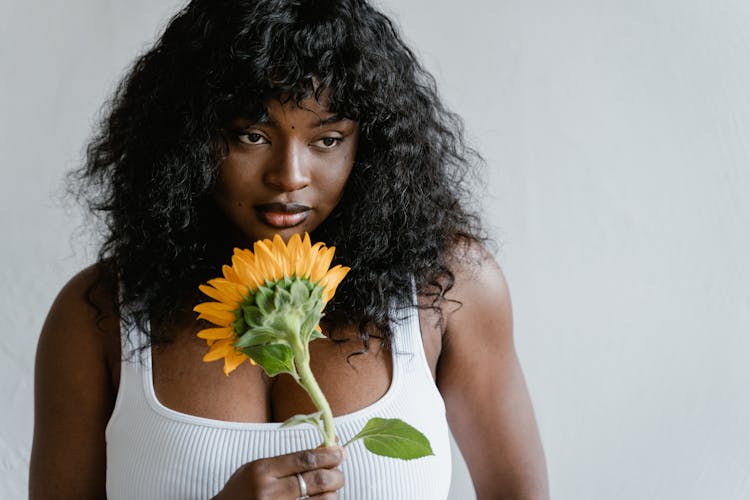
(267, 308)
(268, 303)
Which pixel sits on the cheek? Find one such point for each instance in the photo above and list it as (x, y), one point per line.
(232, 180)
(333, 183)
(230, 192)
(225, 193)
(338, 176)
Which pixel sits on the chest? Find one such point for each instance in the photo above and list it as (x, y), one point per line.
(351, 377)
(199, 457)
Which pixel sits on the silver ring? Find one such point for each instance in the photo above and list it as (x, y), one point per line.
(302, 487)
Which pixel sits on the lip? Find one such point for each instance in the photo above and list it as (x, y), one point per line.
(282, 215)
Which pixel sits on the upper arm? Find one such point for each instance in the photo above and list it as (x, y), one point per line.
(480, 378)
(73, 396)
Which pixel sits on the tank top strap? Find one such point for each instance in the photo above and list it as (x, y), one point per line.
(408, 348)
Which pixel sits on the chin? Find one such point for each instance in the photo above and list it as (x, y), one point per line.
(268, 233)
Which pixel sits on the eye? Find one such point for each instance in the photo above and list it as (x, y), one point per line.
(252, 138)
(328, 142)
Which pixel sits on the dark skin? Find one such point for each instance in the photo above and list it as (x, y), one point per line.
(490, 414)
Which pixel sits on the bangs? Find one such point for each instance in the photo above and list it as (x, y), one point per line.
(296, 53)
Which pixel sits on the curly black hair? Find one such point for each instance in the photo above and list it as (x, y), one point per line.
(150, 168)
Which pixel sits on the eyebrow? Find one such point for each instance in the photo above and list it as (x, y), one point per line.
(334, 118)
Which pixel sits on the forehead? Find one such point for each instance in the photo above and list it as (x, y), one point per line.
(308, 108)
(310, 111)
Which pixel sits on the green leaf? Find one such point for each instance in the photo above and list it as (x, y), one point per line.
(391, 437)
(274, 358)
(312, 419)
(257, 336)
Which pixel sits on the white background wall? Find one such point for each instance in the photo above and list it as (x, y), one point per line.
(616, 136)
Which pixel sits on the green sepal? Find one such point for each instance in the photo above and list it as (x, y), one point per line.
(239, 324)
(252, 315)
(274, 358)
(263, 299)
(300, 293)
(392, 437)
(316, 335)
(281, 298)
(312, 419)
(308, 330)
(313, 314)
(316, 292)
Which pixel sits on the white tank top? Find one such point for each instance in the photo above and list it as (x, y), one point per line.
(154, 452)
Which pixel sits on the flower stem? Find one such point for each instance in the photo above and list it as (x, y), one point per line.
(309, 384)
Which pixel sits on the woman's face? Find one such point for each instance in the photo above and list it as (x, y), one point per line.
(286, 174)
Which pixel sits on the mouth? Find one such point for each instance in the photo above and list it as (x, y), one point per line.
(282, 215)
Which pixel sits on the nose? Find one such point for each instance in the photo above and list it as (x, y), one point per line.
(289, 169)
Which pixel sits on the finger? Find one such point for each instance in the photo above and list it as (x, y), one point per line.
(302, 461)
(325, 496)
(317, 482)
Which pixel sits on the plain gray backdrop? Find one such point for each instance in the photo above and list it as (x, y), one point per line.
(617, 184)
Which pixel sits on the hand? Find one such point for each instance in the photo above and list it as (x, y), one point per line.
(276, 477)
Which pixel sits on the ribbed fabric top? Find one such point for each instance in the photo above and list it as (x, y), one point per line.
(154, 452)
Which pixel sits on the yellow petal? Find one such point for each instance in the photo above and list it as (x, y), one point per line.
(232, 361)
(304, 264)
(291, 255)
(230, 274)
(303, 256)
(266, 261)
(244, 252)
(331, 281)
(281, 252)
(335, 275)
(216, 312)
(221, 295)
(247, 271)
(216, 320)
(321, 265)
(214, 307)
(228, 287)
(306, 243)
(260, 263)
(295, 242)
(219, 349)
(216, 333)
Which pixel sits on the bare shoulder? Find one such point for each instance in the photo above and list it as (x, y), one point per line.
(74, 391)
(82, 322)
(479, 285)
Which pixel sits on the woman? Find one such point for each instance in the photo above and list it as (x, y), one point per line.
(249, 119)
